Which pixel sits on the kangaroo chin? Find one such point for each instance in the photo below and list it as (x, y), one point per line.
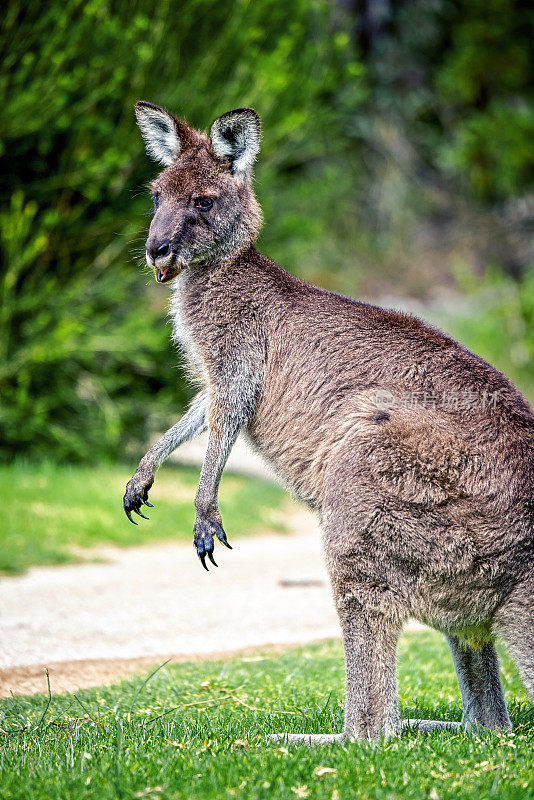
(417, 455)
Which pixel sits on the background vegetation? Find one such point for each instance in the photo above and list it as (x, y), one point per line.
(396, 161)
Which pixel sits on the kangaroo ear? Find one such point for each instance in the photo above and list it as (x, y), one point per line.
(236, 136)
(162, 132)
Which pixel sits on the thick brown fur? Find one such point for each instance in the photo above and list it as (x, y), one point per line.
(416, 454)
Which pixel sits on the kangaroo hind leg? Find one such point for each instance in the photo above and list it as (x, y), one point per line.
(371, 706)
(480, 684)
(515, 624)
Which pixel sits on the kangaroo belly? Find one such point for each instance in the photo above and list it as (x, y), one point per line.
(300, 460)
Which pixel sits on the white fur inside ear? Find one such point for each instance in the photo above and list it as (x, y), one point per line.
(236, 136)
(159, 132)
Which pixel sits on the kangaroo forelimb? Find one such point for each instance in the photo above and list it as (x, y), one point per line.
(191, 424)
(208, 520)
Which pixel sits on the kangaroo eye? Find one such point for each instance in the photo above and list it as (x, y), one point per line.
(204, 203)
(155, 198)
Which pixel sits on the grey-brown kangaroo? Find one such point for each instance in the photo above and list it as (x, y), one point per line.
(416, 454)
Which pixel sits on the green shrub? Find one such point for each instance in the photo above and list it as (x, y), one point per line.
(456, 78)
(497, 322)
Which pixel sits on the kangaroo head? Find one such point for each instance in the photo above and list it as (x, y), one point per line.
(205, 209)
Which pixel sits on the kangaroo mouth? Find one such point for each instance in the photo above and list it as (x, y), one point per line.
(165, 274)
(168, 271)
(166, 268)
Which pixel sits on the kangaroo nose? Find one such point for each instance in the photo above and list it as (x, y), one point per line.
(159, 250)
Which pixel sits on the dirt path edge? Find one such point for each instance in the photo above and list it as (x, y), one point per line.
(70, 676)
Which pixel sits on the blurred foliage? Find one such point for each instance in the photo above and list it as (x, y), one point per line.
(496, 320)
(458, 75)
(86, 367)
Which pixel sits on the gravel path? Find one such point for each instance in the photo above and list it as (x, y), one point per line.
(149, 603)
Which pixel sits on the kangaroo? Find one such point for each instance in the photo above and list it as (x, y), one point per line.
(416, 454)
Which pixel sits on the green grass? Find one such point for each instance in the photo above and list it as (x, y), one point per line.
(51, 514)
(197, 730)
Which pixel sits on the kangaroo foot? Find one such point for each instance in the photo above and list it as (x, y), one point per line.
(307, 739)
(318, 739)
(429, 725)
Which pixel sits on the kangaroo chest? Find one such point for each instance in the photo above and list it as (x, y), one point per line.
(182, 333)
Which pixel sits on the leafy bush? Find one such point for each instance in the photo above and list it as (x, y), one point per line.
(497, 322)
(457, 78)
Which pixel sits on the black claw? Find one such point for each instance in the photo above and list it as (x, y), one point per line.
(202, 557)
(148, 504)
(210, 556)
(140, 514)
(129, 515)
(221, 536)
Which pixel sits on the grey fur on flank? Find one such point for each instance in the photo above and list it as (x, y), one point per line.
(427, 507)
